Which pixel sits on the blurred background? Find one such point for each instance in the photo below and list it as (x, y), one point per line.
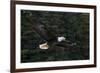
(73, 26)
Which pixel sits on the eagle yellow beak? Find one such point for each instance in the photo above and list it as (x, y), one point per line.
(44, 46)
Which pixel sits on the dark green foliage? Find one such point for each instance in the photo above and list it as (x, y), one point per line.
(73, 26)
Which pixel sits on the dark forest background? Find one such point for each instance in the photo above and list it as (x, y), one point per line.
(73, 26)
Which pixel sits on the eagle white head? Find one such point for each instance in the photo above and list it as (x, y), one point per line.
(60, 39)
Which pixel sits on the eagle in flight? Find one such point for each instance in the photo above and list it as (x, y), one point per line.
(49, 37)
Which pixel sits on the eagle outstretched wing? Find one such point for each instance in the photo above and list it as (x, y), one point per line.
(49, 36)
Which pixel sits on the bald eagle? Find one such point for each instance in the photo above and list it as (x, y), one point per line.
(50, 37)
